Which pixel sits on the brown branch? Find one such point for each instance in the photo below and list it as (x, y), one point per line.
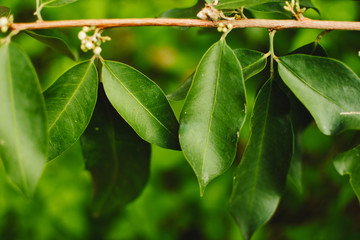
(246, 23)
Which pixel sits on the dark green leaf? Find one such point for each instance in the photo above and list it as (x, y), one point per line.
(252, 63)
(328, 89)
(23, 133)
(235, 4)
(213, 114)
(261, 176)
(348, 163)
(56, 3)
(117, 158)
(4, 11)
(279, 7)
(70, 102)
(312, 49)
(55, 43)
(141, 103)
(184, 12)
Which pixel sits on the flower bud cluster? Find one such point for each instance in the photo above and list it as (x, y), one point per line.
(294, 5)
(92, 41)
(5, 23)
(223, 28)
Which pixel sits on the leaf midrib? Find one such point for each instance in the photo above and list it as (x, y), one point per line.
(138, 101)
(71, 98)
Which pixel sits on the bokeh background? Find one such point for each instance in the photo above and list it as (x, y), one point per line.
(170, 206)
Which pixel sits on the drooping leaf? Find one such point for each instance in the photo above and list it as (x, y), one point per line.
(4, 11)
(70, 102)
(56, 3)
(348, 163)
(252, 62)
(141, 103)
(55, 43)
(213, 114)
(261, 176)
(312, 49)
(279, 7)
(23, 133)
(328, 89)
(184, 12)
(118, 159)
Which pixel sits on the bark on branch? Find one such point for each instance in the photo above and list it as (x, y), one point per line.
(247, 23)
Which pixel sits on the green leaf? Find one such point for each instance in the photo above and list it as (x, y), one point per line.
(141, 103)
(261, 176)
(4, 11)
(23, 133)
(328, 89)
(348, 163)
(56, 3)
(213, 114)
(312, 49)
(252, 63)
(184, 12)
(119, 161)
(70, 102)
(234, 4)
(279, 7)
(55, 43)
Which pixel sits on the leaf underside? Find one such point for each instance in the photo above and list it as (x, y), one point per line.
(23, 131)
(260, 178)
(117, 158)
(213, 114)
(70, 102)
(141, 103)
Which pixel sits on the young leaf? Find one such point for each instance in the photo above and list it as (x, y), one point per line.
(141, 103)
(70, 102)
(56, 3)
(328, 89)
(184, 12)
(261, 176)
(348, 163)
(53, 42)
(213, 114)
(117, 158)
(23, 134)
(252, 62)
(4, 11)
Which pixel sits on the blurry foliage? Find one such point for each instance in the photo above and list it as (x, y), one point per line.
(170, 207)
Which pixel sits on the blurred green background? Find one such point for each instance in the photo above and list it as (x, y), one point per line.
(170, 206)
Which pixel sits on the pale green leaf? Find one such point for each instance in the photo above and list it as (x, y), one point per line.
(213, 114)
(141, 103)
(70, 102)
(328, 89)
(348, 163)
(118, 159)
(261, 176)
(23, 133)
(56, 3)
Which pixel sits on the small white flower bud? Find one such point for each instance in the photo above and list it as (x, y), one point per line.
(225, 29)
(4, 29)
(4, 21)
(82, 35)
(97, 51)
(230, 26)
(221, 25)
(219, 29)
(89, 45)
(86, 29)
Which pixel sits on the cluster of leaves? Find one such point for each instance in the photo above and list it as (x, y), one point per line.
(117, 112)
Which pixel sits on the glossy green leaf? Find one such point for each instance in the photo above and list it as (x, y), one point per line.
(261, 5)
(348, 163)
(261, 176)
(184, 12)
(213, 114)
(141, 103)
(53, 42)
(70, 102)
(23, 133)
(117, 158)
(279, 7)
(328, 89)
(4, 11)
(312, 49)
(252, 62)
(56, 3)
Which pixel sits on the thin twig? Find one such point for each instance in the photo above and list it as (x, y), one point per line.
(246, 23)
